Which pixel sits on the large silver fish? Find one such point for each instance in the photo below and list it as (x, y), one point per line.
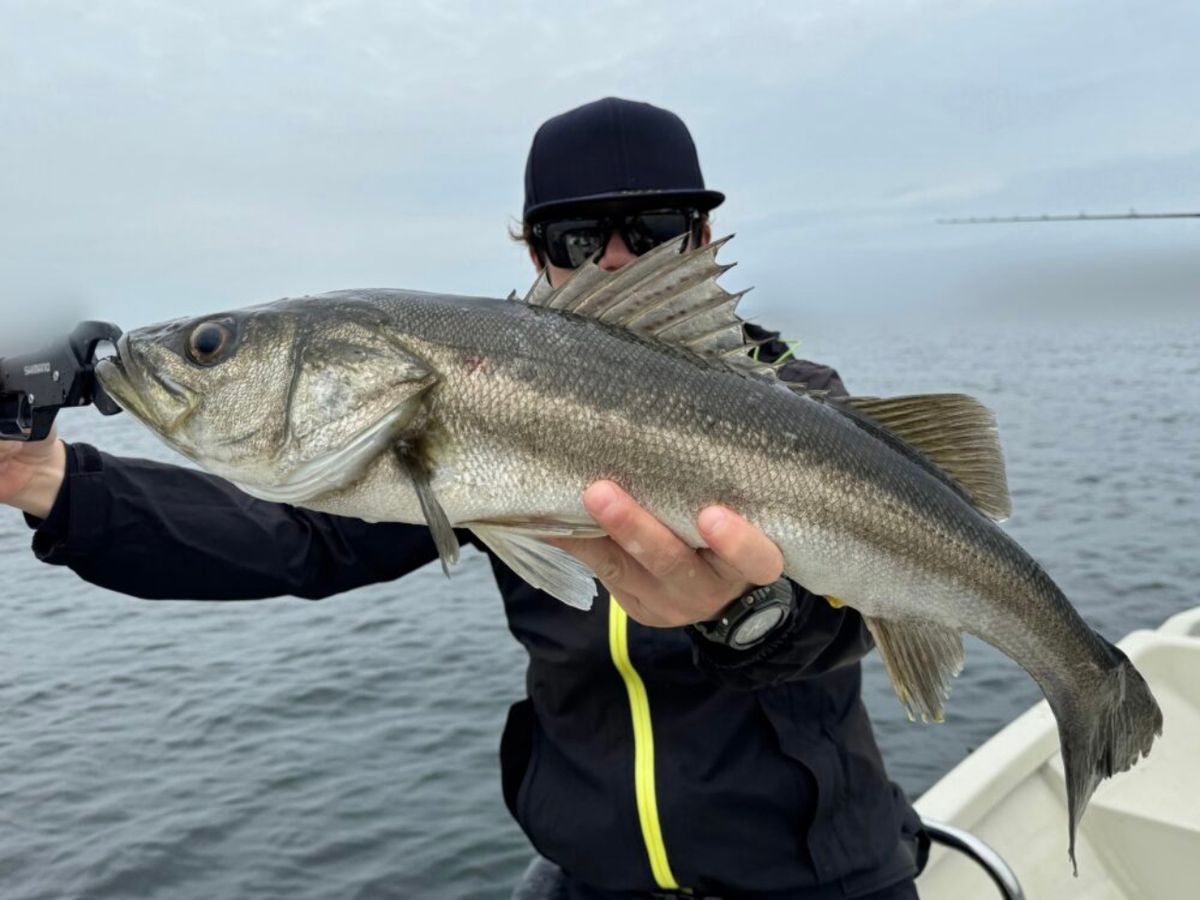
(494, 415)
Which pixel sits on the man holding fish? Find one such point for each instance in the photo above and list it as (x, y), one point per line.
(698, 730)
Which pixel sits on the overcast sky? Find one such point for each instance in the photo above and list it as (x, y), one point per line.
(161, 159)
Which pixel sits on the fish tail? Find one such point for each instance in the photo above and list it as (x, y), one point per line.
(1103, 729)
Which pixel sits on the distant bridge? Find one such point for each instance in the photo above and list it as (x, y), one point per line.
(1078, 217)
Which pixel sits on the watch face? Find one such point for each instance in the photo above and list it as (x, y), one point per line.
(756, 625)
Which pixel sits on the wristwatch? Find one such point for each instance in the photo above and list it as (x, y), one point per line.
(748, 620)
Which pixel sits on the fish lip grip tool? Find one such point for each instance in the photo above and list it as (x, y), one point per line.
(35, 386)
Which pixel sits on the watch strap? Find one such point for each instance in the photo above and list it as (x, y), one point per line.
(748, 620)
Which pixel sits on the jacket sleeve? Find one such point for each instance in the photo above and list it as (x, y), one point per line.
(816, 638)
(164, 532)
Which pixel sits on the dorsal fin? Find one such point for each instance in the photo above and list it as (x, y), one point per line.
(669, 295)
(539, 290)
(954, 432)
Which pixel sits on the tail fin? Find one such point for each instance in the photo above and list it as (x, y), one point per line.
(1103, 731)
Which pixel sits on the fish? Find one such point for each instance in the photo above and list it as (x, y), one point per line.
(494, 415)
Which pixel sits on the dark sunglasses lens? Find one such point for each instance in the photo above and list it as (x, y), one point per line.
(648, 230)
(572, 242)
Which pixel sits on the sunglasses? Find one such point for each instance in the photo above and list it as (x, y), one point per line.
(569, 243)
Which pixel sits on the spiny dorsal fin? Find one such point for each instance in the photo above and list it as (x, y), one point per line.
(539, 290)
(669, 295)
(956, 433)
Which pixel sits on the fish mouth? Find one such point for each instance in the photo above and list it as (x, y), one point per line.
(151, 396)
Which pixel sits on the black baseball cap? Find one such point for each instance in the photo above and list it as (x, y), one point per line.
(613, 152)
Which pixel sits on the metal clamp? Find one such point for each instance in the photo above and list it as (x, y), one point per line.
(35, 386)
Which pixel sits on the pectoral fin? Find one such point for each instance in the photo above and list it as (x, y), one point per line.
(435, 517)
(920, 658)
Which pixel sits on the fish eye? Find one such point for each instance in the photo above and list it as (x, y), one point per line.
(208, 343)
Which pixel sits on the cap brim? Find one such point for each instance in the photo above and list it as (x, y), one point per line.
(701, 200)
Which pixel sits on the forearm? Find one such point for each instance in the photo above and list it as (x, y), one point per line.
(156, 531)
(816, 639)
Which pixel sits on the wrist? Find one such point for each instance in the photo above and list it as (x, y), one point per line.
(750, 619)
(46, 476)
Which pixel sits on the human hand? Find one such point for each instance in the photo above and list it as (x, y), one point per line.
(658, 579)
(31, 473)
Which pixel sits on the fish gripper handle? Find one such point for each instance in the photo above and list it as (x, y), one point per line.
(35, 386)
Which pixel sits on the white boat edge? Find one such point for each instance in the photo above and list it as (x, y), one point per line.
(1140, 837)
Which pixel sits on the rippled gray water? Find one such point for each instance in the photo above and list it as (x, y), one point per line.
(347, 748)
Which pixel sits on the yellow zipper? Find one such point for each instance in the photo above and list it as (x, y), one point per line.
(643, 747)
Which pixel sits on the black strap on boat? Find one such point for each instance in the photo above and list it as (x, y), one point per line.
(992, 862)
(35, 386)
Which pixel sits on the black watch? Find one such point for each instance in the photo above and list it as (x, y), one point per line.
(751, 617)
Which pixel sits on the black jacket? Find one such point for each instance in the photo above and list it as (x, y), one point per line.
(641, 758)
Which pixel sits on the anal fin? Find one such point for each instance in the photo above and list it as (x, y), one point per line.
(920, 658)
